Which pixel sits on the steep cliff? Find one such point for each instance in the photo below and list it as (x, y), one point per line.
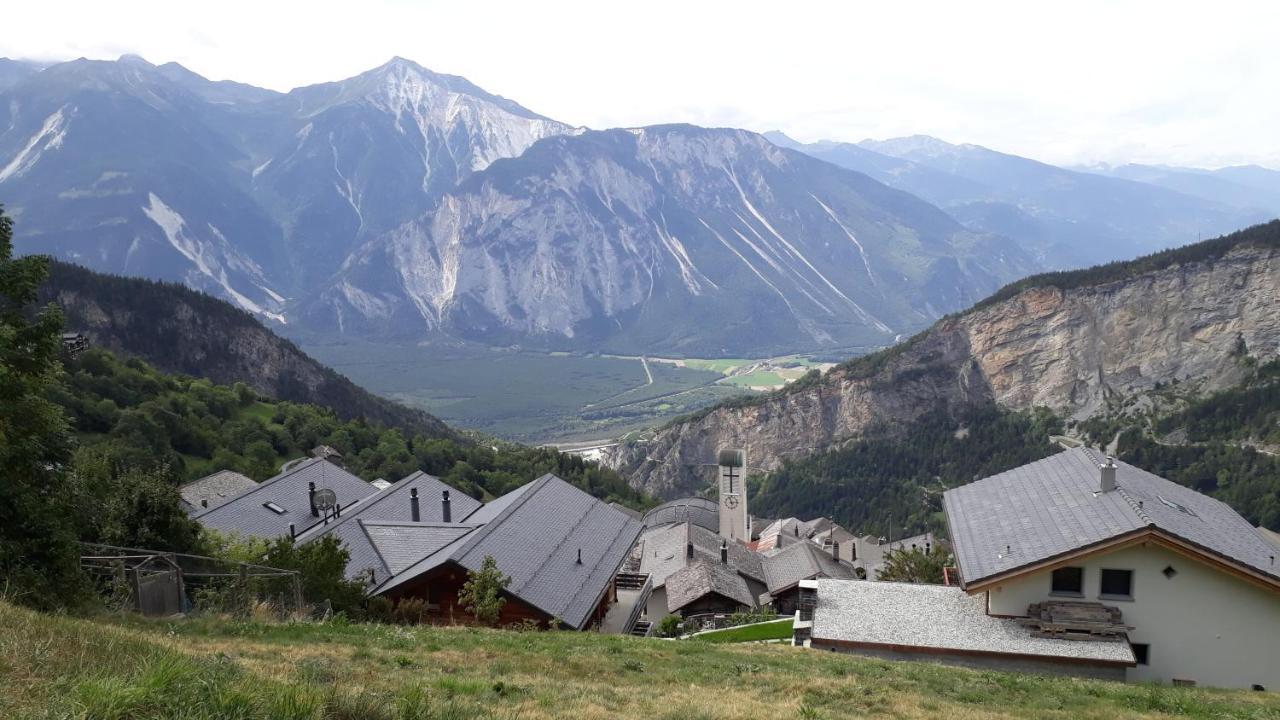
(1066, 341)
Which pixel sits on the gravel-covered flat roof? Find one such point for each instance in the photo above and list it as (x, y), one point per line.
(937, 617)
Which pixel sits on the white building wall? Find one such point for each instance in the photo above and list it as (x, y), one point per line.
(1203, 624)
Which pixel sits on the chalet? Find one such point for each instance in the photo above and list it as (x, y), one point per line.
(792, 564)
(1167, 584)
(1199, 585)
(561, 547)
(711, 574)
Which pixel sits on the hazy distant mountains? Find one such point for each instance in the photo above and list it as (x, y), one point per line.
(1066, 218)
(408, 204)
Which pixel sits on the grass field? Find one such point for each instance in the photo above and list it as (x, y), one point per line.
(113, 669)
(775, 630)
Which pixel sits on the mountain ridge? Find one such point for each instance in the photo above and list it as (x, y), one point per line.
(1071, 342)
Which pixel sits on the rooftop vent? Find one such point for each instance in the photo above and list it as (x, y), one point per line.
(724, 551)
(445, 512)
(415, 512)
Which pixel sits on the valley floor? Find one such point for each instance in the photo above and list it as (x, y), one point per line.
(551, 397)
(114, 667)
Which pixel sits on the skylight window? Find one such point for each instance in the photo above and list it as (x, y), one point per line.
(273, 508)
(1177, 506)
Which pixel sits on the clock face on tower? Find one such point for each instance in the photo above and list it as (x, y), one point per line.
(731, 502)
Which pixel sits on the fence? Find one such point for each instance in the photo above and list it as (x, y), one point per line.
(158, 583)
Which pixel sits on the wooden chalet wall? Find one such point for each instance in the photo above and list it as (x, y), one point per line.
(440, 589)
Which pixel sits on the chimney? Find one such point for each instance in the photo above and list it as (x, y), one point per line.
(204, 502)
(415, 514)
(688, 551)
(311, 498)
(724, 552)
(579, 556)
(292, 533)
(835, 550)
(797, 529)
(1108, 474)
(445, 512)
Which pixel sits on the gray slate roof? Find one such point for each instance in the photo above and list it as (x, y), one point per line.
(389, 506)
(702, 578)
(699, 511)
(214, 490)
(535, 534)
(937, 617)
(664, 550)
(801, 561)
(247, 515)
(1052, 507)
(401, 544)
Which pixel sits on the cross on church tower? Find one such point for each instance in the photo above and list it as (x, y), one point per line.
(731, 465)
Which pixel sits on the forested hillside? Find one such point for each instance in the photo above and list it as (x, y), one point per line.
(184, 331)
(137, 417)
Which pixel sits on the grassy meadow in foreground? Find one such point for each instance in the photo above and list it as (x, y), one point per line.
(114, 667)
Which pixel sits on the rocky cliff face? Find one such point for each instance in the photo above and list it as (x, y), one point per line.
(1064, 346)
(672, 238)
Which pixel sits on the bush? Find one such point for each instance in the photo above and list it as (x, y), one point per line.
(410, 611)
(669, 626)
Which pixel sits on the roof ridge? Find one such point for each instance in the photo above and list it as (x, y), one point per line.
(498, 519)
(376, 550)
(1136, 506)
(555, 550)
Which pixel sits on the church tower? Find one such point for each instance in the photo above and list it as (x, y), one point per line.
(731, 475)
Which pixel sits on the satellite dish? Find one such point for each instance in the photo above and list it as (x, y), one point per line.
(325, 499)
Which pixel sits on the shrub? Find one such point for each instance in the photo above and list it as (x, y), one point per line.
(669, 626)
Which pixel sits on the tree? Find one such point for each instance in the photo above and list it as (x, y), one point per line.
(915, 565)
(481, 594)
(39, 559)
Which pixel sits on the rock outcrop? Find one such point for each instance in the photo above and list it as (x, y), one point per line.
(1062, 342)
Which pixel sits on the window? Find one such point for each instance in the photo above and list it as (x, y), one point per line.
(1068, 581)
(273, 508)
(1116, 583)
(1177, 506)
(1141, 651)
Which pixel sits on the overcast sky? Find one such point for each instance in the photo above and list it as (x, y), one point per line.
(1069, 82)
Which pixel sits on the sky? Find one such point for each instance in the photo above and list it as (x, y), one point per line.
(1077, 82)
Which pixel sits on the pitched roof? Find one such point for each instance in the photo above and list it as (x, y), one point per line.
(1053, 507)
(699, 511)
(389, 506)
(248, 513)
(401, 544)
(535, 533)
(211, 491)
(937, 617)
(801, 561)
(664, 551)
(703, 578)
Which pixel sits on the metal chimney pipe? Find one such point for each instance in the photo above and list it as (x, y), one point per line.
(414, 513)
(579, 556)
(724, 552)
(445, 511)
(835, 549)
(1108, 472)
(688, 551)
(292, 533)
(311, 498)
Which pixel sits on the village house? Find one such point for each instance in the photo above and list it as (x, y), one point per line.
(419, 538)
(1161, 583)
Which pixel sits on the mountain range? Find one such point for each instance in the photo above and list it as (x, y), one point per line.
(408, 205)
(1064, 217)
